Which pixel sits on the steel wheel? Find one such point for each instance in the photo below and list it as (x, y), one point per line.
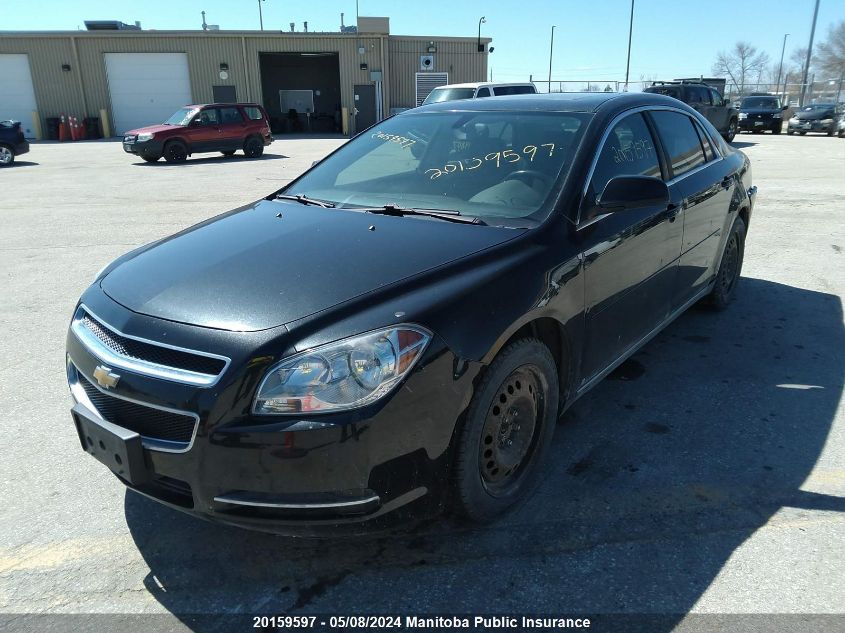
(730, 265)
(6, 155)
(509, 437)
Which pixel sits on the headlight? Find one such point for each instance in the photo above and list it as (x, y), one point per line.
(743, 115)
(777, 115)
(344, 375)
(147, 136)
(794, 118)
(827, 121)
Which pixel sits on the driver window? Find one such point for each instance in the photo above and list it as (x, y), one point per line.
(207, 117)
(483, 92)
(627, 151)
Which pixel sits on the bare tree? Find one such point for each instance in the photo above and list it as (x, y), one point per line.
(831, 52)
(743, 64)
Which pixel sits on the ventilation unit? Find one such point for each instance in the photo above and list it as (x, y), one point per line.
(426, 82)
(426, 62)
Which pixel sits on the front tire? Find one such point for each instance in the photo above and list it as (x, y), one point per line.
(507, 431)
(175, 152)
(253, 147)
(151, 159)
(731, 133)
(730, 268)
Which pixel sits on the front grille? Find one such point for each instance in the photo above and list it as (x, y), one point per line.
(146, 421)
(150, 353)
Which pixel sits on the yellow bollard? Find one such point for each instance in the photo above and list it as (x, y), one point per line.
(104, 123)
(36, 126)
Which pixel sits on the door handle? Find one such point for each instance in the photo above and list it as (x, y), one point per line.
(727, 181)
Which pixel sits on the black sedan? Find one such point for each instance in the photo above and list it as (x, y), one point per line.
(397, 331)
(761, 113)
(12, 142)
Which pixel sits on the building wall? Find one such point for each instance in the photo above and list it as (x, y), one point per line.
(84, 90)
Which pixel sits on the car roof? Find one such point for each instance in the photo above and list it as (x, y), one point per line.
(479, 84)
(553, 102)
(220, 105)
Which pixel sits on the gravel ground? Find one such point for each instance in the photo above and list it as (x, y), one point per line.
(706, 475)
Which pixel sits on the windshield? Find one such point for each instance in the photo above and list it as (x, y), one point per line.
(761, 102)
(495, 165)
(448, 94)
(182, 116)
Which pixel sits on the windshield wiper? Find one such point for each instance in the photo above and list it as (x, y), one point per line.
(440, 214)
(306, 200)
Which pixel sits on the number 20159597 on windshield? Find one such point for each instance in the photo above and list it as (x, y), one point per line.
(529, 153)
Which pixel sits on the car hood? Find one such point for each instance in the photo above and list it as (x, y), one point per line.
(150, 129)
(814, 115)
(760, 110)
(274, 262)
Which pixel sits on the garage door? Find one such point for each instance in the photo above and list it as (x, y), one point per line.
(146, 88)
(17, 99)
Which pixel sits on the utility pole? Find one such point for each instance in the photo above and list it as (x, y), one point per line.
(260, 16)
(630, 33)
(551, 51)
(809, 55)
(780, 67)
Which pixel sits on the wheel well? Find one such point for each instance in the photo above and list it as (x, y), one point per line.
(743, 213)
(550, 332)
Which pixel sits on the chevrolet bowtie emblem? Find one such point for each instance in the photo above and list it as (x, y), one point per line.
(106, 377)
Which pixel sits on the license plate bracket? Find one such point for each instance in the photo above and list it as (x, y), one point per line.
(119, 449)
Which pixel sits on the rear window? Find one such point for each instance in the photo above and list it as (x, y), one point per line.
(449, 94)
(680, 141)
(514, 90)
(230, 115)
(253, 113)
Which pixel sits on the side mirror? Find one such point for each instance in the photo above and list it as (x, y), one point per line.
(786, 107)
(633, 192)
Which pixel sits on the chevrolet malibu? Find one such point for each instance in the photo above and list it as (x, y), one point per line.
(396, 332)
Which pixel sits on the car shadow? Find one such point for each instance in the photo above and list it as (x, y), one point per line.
(211, 160)
(655, 478)
(22, 163)
(740, 144)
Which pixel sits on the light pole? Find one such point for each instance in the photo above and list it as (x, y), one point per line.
(780, 67)
(551, 51)
(809, 55)
(483, 20)
(260, 16)
(630, 33)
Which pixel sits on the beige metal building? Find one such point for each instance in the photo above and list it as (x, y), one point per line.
(308, 82)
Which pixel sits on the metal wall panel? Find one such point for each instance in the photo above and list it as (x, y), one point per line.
(83, 90)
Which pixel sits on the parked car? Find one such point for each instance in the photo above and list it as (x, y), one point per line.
(12, 142)
(706, 100)
(818, 117)
(453, 92)
(398, 329)
(840, 127)
(759, 113)
(216, 127)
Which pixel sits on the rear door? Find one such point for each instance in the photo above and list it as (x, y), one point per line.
(701, 185)
(630, 258)
(232, 128)
(719, 112)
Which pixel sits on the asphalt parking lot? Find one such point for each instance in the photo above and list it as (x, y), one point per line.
(706, 475)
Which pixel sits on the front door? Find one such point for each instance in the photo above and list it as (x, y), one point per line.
(203, 132)
(365, 106)
(630, 257)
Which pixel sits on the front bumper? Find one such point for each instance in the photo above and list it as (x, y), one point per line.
(349, 473)
(759, 122)
(810, 126)
(149, 148)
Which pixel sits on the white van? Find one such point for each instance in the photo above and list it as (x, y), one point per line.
(452, 92)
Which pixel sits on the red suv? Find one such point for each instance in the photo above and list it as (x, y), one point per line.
(216, 127)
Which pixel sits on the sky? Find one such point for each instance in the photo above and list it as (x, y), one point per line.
(671, 38)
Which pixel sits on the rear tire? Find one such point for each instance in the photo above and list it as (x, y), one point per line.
(842, 133)
(730, 268)
(731, 133)
(777, 129)
(790, 132)
(253, 147)
(175, 152)
(802, 133)
(507, 431)
(7, 156)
